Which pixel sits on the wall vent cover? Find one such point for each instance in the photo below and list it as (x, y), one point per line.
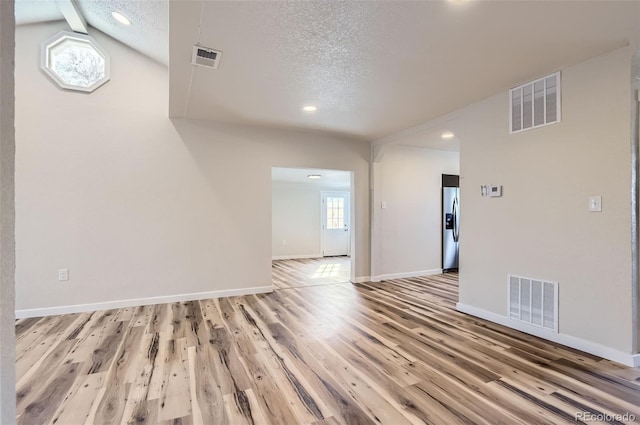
(203, 56)
(534, 301)
(535, 104)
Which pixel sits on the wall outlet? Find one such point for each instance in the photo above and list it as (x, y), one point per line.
(284, 242)
(595, 203)
(63, 274)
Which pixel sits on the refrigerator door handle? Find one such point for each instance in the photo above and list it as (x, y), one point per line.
(454, 210)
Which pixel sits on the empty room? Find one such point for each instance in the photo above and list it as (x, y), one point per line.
(311, 233)
(319, 212)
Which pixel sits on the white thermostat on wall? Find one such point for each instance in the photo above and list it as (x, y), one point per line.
(495, 190)
(491, 191)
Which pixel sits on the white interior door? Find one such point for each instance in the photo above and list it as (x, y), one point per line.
(335, 223)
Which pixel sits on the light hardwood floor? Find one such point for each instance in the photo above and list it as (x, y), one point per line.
(386, 353)
(310, 272)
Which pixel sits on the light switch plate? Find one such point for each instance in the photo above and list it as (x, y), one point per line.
(595, 203)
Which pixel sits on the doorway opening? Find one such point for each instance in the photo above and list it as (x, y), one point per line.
(312, 222)
(334, 224)
(450, 222)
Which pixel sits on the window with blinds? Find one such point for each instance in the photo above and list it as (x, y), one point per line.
(535, 104)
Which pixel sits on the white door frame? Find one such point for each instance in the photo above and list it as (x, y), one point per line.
(352, 218)
(323, 218)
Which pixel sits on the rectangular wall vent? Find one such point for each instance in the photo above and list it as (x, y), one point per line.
(203, 56)
(535, 104)
(534, 301)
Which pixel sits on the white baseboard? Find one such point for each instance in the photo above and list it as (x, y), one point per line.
(295, 257)
(82, 308)
(361, 279)
(627, 359)
(392, 276)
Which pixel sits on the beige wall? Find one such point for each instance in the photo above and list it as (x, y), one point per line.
(296, 218)
(138, 206)
(408, 179)
(7, 246)
(541, 227)
(635, 82)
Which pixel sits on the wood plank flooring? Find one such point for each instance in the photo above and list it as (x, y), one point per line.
(310, 272)
(377, 353)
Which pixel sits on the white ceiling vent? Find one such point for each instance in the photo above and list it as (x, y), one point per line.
(203, 56)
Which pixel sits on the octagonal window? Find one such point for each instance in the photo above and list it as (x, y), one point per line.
(75, 61)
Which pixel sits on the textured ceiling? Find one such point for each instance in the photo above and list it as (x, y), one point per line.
(148, 33)
(33, 11)
(375, 68)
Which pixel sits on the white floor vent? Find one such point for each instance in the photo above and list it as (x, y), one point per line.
(533, 301)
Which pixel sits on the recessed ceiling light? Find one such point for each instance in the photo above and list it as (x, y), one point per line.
(447, 135)
(314, 176)
(309, 108)
(121, 18)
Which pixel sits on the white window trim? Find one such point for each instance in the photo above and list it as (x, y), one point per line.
(56, 39)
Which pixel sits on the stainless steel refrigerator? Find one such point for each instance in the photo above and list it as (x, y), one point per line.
(450, 222)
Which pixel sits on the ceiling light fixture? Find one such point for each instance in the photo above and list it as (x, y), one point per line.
(309, 108)
(314, 176)
(447, 135)
(121, 18)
